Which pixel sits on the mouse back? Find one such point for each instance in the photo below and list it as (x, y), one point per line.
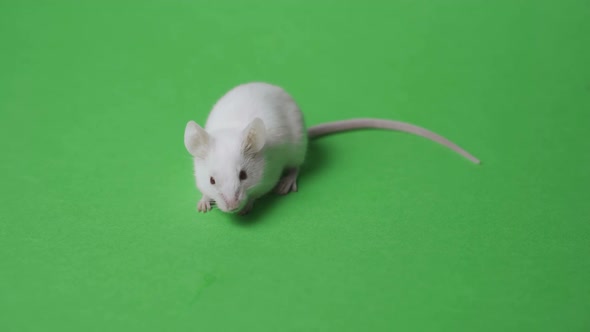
(278, 111)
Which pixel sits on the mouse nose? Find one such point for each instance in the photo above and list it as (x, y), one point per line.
(233, 204)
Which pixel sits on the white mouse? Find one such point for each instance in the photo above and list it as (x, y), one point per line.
(255, 140)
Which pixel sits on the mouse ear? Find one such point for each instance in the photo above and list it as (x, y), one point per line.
(254, 136)
(196, 139)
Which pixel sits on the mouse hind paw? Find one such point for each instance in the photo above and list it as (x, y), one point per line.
(288, 183)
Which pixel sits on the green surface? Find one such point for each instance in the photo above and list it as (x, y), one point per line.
(389, 232)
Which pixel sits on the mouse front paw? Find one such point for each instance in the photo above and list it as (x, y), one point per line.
(247, 208)
(204, 205)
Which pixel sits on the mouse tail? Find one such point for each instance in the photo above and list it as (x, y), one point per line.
(366, 123)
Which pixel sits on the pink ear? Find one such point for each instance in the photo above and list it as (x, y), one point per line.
(254, 136)
(196, 139)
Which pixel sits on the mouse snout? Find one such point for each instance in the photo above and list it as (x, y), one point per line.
(233, 204)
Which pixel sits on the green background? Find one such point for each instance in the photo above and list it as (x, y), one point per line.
(99, 229)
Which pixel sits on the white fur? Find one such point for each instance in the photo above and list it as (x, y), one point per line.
(256, 127)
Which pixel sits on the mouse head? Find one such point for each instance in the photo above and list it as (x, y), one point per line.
(229, 163)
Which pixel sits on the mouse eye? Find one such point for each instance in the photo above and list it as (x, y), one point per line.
(243, 175)
(212, 180)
